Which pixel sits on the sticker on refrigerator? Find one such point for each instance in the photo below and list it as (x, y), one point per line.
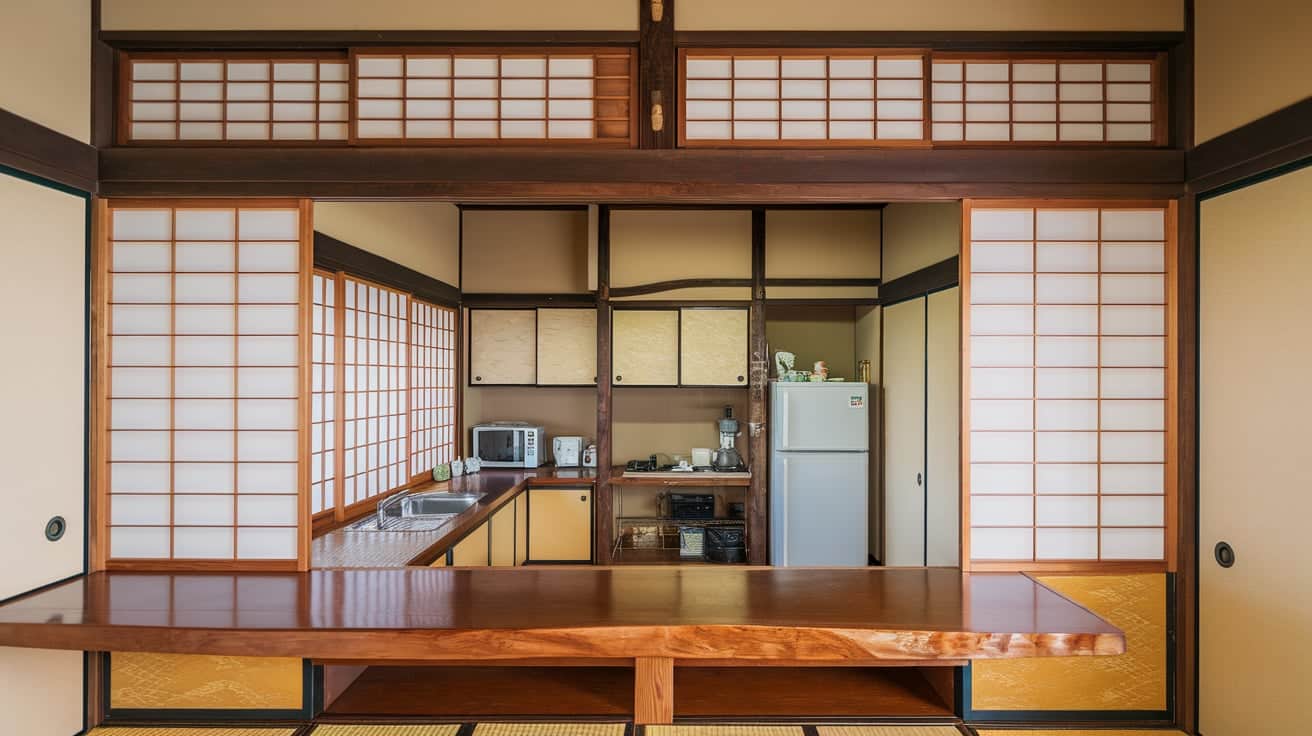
(856, 402)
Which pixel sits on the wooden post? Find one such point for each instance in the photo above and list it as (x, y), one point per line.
(656, 74)
(758, 371)
(602, 504)
(653, 691)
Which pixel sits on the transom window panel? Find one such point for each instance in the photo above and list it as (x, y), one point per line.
(980, 99)
(488, 95)
(375, 444)
(816, 97)
(234, 98)
(203, 381)
(323, 393)
(432, 386)
(1068, 398)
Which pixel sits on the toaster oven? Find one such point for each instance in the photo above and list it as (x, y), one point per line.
(509, 445)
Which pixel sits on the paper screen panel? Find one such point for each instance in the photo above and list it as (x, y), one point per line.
(203, 399)
(803, 98)
(432, 386)
(235, 98)
(1061, 99)
(470, 96)
(1067, 406)
(375, 340)
(323, 393)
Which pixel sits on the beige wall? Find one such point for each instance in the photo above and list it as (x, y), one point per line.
(821, 244)
(423, 236)
(671, 421)
(867, 347)
(899, 15)
(512, 251)
(41, 441)
(814, 333)
(1250, 59)
(377, 15)
(663, 245)
(562, 411)
(45, 52)
(919, 234)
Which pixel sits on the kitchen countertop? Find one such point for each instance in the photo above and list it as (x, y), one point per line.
(341, 548)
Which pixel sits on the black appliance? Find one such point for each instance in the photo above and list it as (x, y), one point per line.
(691, 505)
(725, 544)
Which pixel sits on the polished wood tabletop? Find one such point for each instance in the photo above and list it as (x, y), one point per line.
(731, 613)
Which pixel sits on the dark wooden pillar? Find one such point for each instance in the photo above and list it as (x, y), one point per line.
(758, 369)
(603, 504)
(656, 73)
(1186, 489)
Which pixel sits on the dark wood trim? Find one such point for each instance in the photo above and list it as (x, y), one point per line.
(758, 382)
(1180, 88)
(481, 299)
(823, 302)
(656, 287)
(822, 282)
(1280, 139)
(939, 40)
(657, 78)
(676, 304)
(1186, 495)
(335, 255)
(603, 504)
(35, 149)
(942, 275)
(753, 177)
(523, 207)
(103, 70)
(320, 40)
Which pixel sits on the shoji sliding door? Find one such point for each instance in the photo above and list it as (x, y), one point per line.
(204, 383)
(1067, 401)
(323, 393)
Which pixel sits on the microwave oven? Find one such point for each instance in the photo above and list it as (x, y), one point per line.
(510, 445)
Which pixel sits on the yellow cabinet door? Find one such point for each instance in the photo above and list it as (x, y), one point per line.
(567, 347)
(502, 535)
(521, 528)
(472, 550)
(502, 347)
(645, 347)
(713, 347)
(560, 525)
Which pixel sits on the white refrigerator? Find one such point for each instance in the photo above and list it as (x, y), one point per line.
(819, 474)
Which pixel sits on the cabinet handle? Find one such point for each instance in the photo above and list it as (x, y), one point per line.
(920, 479)
(1225, 554)
(619, 379)
(478, 378)
(583, 499)
(740, 379)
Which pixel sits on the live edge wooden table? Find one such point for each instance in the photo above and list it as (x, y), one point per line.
(650, 619)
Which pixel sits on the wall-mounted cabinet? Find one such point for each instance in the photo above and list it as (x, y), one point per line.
(567, 347)
(680, 347)
(645, 347)
(502, 347)
(713, 347)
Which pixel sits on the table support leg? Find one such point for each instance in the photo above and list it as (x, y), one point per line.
(653, 690)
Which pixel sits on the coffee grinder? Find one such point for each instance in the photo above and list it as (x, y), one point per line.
(727, 459)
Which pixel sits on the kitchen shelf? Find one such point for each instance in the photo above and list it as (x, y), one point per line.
(692, 479)
(658, 556)
(669, 521)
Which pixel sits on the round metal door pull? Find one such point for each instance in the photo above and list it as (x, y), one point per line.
(55, 528)
(1225, 554)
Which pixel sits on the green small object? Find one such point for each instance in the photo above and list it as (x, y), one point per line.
(442, 472)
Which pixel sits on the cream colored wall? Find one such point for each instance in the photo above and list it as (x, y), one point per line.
(866, 338)
(663, 245)
(423, 236)
(671, 421)
(41, 442)
(963, 15)
(943, 425)
(814, 333)
(561, 410)
(512, 251)
(377, 15)
(1250, 58)
(821, 244)
(919, 234)
(45, 52)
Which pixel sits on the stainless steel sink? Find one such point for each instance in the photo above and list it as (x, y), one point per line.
(415, 512)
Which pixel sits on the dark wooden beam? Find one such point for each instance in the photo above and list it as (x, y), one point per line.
(942, 275)
(1185, 589)
(1283, 138)
(335, 255)
(939, 40)
(822, 282)
(657, 75)
(665, 176)
(322, 40)
(657, 287)
(527, 300)
(758, 372)
(603, 503)
(102, 83)
(35, 149)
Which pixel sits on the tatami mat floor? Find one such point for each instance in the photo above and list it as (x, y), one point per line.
(604, 729)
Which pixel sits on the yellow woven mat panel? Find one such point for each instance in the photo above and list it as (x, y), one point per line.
(711, 730)
(549, 729)
(336, 729)
(888, 731)
(188, 731)
(150, 680)
(1089, 732)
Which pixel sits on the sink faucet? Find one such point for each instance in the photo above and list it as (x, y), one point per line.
(387, 503)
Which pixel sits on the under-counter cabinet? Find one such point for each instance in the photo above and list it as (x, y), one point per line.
(567, 347)
(503, 529)
(713, 347)
(472, 551)
(645, 347)
(503, 347)
(560, 524)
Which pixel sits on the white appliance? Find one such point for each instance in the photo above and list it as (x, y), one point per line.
(819, 474)
(510, 445)
(567, 451)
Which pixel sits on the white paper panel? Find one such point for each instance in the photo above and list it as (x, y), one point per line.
(1002, 414)
(714, 68)
(1133, 383)
(199, 257)
(266, 510)
(792, 110)
(202, 446)
(1002, 289)
(1001, 544)
(428, 129)
(1133, 447)
(1066, 447)
(1132, 544)
(1130, 93)
(202, 382)
(987, 112)
(203, 477)
(851, 68)
(1000, 478)
(1053, 224)
(268, 351)
(1071, 320)
(212, 224)
(269, 257)
(946, 92)
(1039, 72)
(803, 68)
(1066, 511)
(203, 320)
(1134, 415)
(1066, 414)
(999, 224)
(851, 130)
(1066, 478)
(1133, 511)
(267, 414)
(139, 320)
(1129, 132)
(268, 224)
(139, 351)
(1133, 352)
(1034, 92)
(202, 543)
(475, 129)
(154, 131)
(141, 257)
(900, 130)
(1134, 225)
(139, 383)
(139, 414)
(379, 128)
(755, 68)
(1002, 351)
(126, 509)
(1001, 383)
(1001, 447)
(760, 110)
(1066, 383)
(1002, 511)
(948, 131)
(140, 287)
(261, 543)
(894, 67)
(708, 89)
(1123, 320)
(701, 130)
(1001, 320)
(267, 320)
(127, 543)
(379, 66)
(950, 71)
(203, 351)
(139, 477)
(266, 446)
(203, 288)
(1129, 112)
(1133, 257)
(1067, 257)
(277, 383)
(133, 224)
(1066, 289)
(1082, 131)
(1034, 132)
(136, 446)
(441, 88)
(203, 413)
(268, 288)
(1066, 544)
(987, 131)
(904, 89)
(1131, 478)
(988, 72)
(1134, 289)
(266, 477)
(1066, 352)
(1001, 257)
